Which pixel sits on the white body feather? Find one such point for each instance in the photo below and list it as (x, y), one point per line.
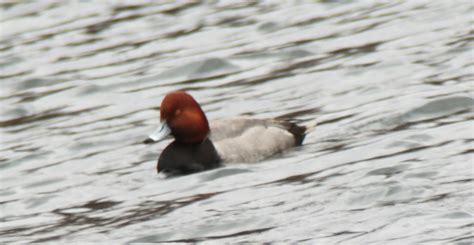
(245, 139)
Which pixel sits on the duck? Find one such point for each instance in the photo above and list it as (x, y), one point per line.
(201, 145)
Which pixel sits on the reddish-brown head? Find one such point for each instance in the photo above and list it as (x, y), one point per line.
(184, 117)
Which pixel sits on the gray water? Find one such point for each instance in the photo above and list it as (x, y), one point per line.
(390, 83)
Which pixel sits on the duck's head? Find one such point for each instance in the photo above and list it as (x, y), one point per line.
(182, 117)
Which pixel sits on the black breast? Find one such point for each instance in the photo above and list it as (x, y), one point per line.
(180, 158)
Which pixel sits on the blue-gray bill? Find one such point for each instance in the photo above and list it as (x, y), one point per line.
(160, 133)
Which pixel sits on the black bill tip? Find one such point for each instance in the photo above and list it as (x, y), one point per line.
(148, 141)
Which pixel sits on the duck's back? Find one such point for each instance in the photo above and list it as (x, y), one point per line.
(245, 139)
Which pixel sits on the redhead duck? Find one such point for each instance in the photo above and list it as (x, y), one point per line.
(200, 146)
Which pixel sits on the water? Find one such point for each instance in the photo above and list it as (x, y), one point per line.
(389, 82)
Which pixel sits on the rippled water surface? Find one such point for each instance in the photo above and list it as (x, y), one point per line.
(390, 83)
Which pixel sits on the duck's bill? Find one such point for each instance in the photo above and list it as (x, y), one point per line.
(160, 133)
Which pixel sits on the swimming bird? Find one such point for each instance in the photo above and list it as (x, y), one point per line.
(199, 145)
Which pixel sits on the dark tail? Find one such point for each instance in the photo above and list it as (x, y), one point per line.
(299, 131)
